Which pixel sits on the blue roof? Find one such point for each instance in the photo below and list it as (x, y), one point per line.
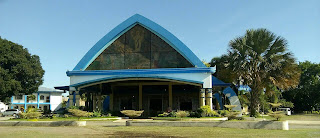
(142, 71)
(217, 82)
(133, 76)
(47, 90)
(115, 33)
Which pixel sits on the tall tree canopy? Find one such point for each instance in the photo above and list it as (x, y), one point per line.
(20, 72)
(260, 60)
(306, 96)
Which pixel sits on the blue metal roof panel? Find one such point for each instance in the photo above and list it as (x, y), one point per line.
(142, 71)
(217, 82)
(133, 76)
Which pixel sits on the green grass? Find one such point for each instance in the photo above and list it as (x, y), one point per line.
(301, 117)
(64, 119)
(151, 131)
(304, 117)
(183, 117)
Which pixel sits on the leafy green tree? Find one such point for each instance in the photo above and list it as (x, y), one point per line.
(306, 96)
(206, 63)
(260, 60)
(20, 72)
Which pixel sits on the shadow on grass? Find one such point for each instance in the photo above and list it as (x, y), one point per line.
(139, 134)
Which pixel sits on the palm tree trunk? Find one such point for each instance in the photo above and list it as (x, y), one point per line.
(254, 100)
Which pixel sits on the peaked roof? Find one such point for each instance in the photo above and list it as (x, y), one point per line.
(115, 33)
(45, 89)
(217, 82)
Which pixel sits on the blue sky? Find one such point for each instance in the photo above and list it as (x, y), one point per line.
(61, 32)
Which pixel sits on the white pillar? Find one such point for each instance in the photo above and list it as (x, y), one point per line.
(77, 98)
(209, 97)
(202, 97)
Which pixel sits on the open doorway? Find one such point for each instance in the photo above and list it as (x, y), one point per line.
(155, 106)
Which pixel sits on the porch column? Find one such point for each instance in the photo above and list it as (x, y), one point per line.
(70, 98)
(111, 99)
(202, 97)
(170, 95)
(25, 103)
(77, 98)
(38, 100)
(209, 97)
(94, 101)
(140, 96)
(99, 102)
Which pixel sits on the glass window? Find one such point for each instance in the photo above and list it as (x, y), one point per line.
(18, 97)
(48, 99)
(41, 97)
(139, 48)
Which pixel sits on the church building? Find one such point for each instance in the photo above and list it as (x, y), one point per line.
(139, 65)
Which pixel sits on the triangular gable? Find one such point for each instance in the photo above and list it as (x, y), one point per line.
(121, 29)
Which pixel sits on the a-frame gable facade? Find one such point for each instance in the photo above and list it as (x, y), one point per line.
(138, 43)
(139, 48)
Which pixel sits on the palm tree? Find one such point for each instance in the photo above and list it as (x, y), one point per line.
(260, 60)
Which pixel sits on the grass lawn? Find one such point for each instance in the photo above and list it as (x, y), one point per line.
(65, 119)
(150, 131)
(301, 117)
(304, 117)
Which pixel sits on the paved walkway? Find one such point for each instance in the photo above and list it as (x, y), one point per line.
(5, 118)
(105, 123)
(298, 124)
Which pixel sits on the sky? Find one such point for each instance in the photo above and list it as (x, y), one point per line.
(61, 32)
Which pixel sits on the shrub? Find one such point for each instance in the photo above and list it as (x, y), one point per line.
(206, 111)
(223, 112)
(132, 113)
(22, 115)
(96, 113)
(195, 114)
(32, 113)
(108, 114)
(277, 115)
(73, 107)
(172, 114)
(233, 115)
(164, 114)
(79, 113)
(65, 115)
(315, 112)
(181, 114)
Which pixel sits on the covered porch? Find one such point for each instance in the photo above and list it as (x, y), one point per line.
(153, 95)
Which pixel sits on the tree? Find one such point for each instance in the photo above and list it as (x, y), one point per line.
(306, 96)
(20, 72)
(260, 60)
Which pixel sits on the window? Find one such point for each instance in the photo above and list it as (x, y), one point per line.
(18, 97)
(48, 99)
(41, 97)
(139, 48)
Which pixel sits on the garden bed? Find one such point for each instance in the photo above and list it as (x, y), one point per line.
(111, 118)
(191, 118)
(43, 123)
(279, 125)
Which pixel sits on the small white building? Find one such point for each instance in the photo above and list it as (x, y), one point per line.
(3, 107)
(44, 99)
